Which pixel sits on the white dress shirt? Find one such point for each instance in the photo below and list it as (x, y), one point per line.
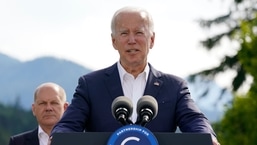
(42, 136)
(133, 87)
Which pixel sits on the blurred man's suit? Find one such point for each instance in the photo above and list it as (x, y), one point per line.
(26, 138)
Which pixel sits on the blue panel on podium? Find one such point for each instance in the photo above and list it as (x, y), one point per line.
(132, 135)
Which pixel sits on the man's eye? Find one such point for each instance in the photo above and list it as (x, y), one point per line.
(124, 33)
(55, 103)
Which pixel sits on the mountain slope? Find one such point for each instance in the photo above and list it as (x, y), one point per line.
(19, 79)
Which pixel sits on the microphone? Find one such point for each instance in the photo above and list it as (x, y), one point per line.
(122, 108)
(147, 109)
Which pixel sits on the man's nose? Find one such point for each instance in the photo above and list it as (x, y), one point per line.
(131, 39)
(49, 107)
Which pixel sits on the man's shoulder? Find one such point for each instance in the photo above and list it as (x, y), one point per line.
(165, 75)
(108, 70)
(26, 137)
(26, 133)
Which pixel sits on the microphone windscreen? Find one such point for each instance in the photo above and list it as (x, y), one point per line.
(147, 101)
(122, 102)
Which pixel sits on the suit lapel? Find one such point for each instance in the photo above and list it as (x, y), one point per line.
(112, 81)
(32, 138)
(154, 83)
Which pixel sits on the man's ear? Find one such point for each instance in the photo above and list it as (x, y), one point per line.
(113, 41)
(152, 40)
(33, 109)
(66, 104)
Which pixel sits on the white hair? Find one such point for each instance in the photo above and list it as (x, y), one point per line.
(148, 17)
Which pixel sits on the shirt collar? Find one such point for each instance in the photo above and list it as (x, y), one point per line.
(123, 72)
(41, 131)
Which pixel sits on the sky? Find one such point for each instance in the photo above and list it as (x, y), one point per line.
(79, 30)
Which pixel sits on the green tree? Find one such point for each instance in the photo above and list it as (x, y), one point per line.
(14, 120)
(238, 125)
(240, 23)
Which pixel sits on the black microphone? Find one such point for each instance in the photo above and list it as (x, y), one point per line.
(147, 109)
(122, 108)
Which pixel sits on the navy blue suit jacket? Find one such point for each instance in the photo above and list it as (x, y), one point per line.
(90, 109)
(25, 138)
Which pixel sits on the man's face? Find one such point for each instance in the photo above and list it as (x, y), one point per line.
(48, 107)
(132, 38)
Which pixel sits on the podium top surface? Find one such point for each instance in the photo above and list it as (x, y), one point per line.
(101, 138)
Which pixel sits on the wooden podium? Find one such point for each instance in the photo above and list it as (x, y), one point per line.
(101, 138)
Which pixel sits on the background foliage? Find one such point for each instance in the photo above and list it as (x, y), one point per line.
(238, 125)
(14, 120)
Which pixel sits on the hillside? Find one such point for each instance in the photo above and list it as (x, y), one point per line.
(19, 79)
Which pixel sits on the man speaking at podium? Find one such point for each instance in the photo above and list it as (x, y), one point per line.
(132, 34)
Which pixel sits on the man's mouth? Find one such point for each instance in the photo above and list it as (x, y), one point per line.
(132, 50)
